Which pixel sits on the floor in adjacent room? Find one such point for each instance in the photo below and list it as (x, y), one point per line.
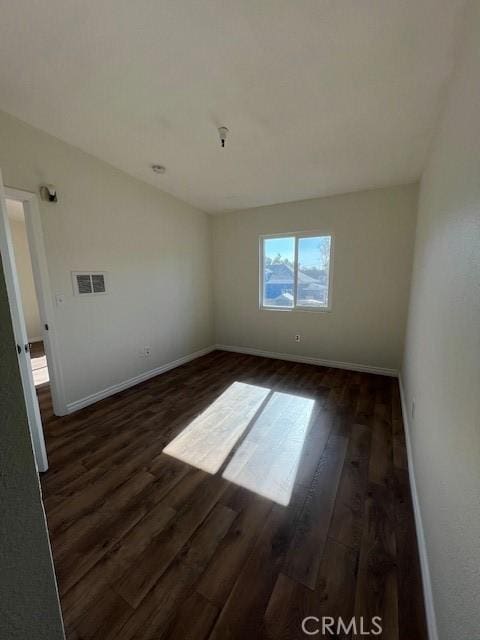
(283, 493)
(39, 365)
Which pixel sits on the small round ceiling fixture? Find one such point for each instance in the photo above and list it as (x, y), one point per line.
(222, 132)
(158, 168)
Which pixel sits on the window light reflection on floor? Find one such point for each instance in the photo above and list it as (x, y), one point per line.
(40, 370)
(208, 440)
(267, 460)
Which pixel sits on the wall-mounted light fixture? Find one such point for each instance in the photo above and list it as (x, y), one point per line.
(48, 192)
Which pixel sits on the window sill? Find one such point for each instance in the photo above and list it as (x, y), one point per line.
(300, 309)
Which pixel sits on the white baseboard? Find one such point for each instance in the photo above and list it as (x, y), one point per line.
(422, 545)
(350, 366)
(146, 375)
(71, 407)
(131, 382)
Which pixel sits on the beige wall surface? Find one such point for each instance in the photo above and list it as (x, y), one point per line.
(373, 246)
(28, 595)
(441, 371)
(23, 263)
(154, 248)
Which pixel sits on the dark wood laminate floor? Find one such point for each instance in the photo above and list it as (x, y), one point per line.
(315, 517)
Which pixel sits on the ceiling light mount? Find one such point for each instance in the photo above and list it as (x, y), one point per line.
(222, 132)
(158, 168)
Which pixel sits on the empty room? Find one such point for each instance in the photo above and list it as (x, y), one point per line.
(239, 312)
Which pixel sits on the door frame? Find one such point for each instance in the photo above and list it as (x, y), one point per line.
(33, 225)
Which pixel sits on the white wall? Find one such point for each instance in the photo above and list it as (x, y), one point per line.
(23, 263)
(155, 249)
(441, 371)
(373, 233)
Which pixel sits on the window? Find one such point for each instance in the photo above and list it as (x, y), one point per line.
(295, 271)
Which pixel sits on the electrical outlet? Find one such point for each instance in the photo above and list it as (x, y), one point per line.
(147, 352)
(297, 337)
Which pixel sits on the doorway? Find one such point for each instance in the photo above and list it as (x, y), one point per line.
(28, 294)
(25, 267)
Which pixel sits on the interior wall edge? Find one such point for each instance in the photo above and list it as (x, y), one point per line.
(154, 248)
(71, 407)
(421, 540)
(321, 362)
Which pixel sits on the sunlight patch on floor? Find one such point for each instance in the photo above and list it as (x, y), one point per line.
(208, 440)
(40, 370)
(267, 460)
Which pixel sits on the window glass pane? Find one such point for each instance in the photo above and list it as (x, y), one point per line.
(313, 268)
(278, 272)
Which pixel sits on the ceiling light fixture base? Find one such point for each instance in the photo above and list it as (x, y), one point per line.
(222, 132)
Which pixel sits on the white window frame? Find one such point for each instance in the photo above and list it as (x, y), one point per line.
(296, 235)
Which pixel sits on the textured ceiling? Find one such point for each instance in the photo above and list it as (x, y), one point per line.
(320, 96)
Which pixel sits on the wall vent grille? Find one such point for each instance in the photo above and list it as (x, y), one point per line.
(89, 283)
